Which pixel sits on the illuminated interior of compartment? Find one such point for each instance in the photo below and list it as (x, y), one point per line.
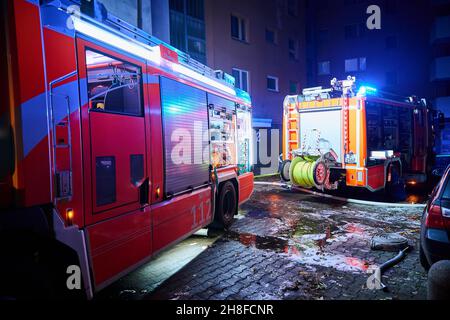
(113, 85)
(223, 136)
(244, 139)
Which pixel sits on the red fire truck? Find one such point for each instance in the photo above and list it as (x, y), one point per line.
(346, 136)
(113, 146)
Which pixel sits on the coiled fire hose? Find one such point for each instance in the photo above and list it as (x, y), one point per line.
(308, 172)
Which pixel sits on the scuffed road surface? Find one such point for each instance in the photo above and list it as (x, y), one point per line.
(288, 245)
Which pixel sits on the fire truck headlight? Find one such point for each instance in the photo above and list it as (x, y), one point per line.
(350, 158)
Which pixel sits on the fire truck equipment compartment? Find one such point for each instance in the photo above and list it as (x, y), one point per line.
(185, 120)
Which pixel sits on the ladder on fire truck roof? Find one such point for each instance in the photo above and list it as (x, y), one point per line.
(338, 89)
(139, 35)
(348, 88)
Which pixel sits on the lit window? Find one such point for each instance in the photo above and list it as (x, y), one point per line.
(272, 83)
(324, 68)
(238, 28)
(242, 79)
(351, 65)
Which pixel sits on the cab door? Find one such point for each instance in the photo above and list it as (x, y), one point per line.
(114, 133)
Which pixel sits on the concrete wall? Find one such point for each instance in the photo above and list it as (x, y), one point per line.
(257, 56)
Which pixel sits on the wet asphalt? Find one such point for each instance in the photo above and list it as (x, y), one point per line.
(287, 245)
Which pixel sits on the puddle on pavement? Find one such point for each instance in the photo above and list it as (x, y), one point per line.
(307, 226)
(259, 242)
(307, 241)
(307, 251)
(258, 214)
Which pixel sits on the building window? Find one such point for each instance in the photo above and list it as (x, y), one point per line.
(177, 5)
(293, 49)
(351, 65)
(238, 28)
(272, 83)
(391, 6)
(355, 64)
(242, 79)
(187, 27)
(195, 9)
(293, 87)
(353, 31)
(362, 64)
(292, 6)
(271, 36)
(196, 47)
(391, 42)
(324, 68)
(391, 78)
(323, 36)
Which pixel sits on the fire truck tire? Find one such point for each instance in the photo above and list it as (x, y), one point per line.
(284, 170)
(226, 206)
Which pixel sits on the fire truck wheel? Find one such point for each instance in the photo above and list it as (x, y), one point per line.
(284, 170)
(226, 207)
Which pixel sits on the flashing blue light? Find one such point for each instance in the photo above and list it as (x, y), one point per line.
(365, 90)
(243, 95)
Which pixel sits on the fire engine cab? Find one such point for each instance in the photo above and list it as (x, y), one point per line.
(344, 136)
(113, 146)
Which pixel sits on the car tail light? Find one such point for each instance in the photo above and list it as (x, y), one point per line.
(435, 220)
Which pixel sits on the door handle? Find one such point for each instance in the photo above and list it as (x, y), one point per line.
(144, 192)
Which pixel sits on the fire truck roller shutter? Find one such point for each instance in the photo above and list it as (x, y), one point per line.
(328, 124)
(185, 123)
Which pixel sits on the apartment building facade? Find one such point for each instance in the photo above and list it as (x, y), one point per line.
(262, 44)
(390, 58)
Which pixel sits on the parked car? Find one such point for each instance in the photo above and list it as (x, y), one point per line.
(435, 229)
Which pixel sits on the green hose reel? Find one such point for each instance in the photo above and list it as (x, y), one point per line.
(301, 172)
(308, 172)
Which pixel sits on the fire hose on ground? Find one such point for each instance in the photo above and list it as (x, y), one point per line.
(387, 242)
